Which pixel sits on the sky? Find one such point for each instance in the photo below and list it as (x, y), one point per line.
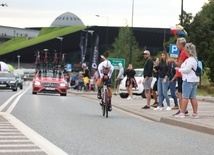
(146, 13)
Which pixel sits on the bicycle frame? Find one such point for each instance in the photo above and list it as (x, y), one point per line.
(105, 105)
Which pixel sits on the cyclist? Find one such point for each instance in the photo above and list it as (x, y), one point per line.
(105, 70)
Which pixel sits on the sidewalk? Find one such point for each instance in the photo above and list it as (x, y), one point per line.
(204, 124)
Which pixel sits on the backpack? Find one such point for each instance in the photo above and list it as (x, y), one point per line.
(198, 71)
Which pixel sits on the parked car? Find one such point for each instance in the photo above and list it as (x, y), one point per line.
(50, 81)
(140, 89)
(20, 82)
(8, 81)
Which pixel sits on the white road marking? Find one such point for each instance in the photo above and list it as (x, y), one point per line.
(9, 100)
(10, 109)
(18, 150)
(37, 139)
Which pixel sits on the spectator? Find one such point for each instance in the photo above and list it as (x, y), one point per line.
(119, 78)
(130, 81)
(181, 42)
(86, 76)
(172, 85)
(163, 81)
(148, 69)
(155, 87)
(95, 78)
(80, 81)
(190, 81)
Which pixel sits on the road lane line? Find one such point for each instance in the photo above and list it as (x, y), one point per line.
(21, 151)
(37, 139)
(9, 100)
(10, 109)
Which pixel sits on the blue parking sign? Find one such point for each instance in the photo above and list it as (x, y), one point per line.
(173, 50)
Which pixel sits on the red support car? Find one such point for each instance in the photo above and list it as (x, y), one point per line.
(49, 81)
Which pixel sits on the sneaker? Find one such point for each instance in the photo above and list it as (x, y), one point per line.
(101, 103)
(129, 98)
(175, 107)
(155, 105)
(168, 108)
(110, 107)
(146, 107)
(186, 113)
(178, 112)
(99, 95)
(158, 108)
(194, 116)
(180, 115)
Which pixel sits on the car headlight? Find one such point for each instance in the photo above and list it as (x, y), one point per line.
(62, 84)
(37, 83)
(12, 81)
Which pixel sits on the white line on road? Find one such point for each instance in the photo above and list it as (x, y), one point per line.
(37, 139)
(8, 101)
(10, 109)
(18, 150)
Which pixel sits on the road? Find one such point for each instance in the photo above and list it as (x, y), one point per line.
(75, 126)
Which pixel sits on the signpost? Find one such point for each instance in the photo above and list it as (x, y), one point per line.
(116, 61)
(173, 50)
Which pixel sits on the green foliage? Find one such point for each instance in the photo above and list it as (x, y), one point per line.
(121, 48)
(201, 33)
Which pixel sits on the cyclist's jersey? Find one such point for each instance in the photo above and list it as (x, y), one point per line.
(100, 70)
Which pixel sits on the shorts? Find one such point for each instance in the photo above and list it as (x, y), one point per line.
(189, 89)
(155, 86)
(180, 81)
(147, 83)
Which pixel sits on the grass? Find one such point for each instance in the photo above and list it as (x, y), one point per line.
(205, 88)
(46, 34)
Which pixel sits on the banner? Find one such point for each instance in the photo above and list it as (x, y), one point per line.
(81, 49)
(85, 46)
(96, 53)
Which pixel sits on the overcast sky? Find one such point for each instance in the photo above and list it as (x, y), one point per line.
(147, 13)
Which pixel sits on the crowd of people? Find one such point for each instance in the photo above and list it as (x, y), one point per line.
(168, 71)
(170, 74)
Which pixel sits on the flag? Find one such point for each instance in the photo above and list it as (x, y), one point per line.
(178, 30)
(85, 45)
(81, 49)
(96, 53)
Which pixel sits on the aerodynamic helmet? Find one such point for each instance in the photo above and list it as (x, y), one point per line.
(106, 64)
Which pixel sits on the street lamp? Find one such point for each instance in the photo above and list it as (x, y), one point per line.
(182, 12)
(18, 56)
(130, 56)
(106, 30)
(60, 38)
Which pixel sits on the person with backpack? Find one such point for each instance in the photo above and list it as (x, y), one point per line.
(190, 81)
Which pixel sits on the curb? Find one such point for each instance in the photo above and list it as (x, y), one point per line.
(165, 120)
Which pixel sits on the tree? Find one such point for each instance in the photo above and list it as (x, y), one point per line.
(121, 48)
(201, 33)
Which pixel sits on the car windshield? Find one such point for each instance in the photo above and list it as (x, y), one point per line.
(6, 75)
(139, 73)
(50, 74)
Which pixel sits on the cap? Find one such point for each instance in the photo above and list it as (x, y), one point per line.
(146, 52)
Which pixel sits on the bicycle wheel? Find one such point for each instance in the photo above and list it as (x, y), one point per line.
(106, 103)
(103, 109)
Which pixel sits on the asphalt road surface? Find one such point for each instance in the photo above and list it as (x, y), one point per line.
(76, 126)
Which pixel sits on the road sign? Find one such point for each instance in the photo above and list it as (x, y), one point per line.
(173, 50)
(116, 61)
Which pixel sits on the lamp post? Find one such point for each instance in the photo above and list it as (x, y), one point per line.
(106, 30)
(130, 56)
(18, 56)
(182, 12)
(60, 38)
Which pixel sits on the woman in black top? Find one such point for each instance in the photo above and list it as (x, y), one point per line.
(130, 81)
(163, 81)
